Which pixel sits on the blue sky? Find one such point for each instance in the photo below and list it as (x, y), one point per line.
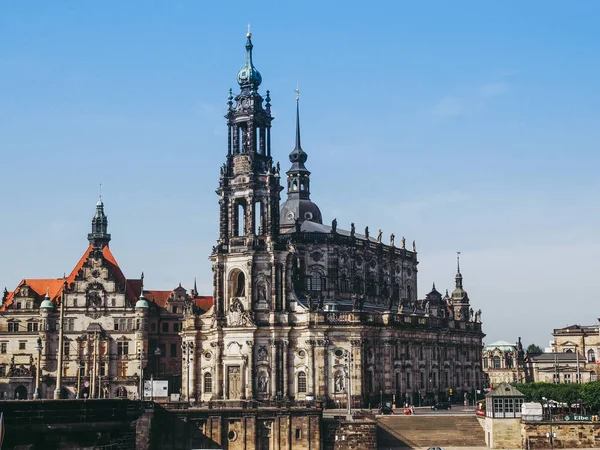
(470, 126)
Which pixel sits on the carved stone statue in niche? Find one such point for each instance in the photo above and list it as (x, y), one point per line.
(339, 382)
(263, 383)
(262, 354)
(237, 316)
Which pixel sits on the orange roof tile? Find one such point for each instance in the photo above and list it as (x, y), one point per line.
(159, 297)
(204, 302)
(54, 285)
(40, 286)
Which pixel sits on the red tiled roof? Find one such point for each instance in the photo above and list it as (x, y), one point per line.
(54, 285)
(40, 286)
(204, 302)
(159, 297)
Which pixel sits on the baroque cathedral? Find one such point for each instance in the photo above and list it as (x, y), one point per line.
(304, 310)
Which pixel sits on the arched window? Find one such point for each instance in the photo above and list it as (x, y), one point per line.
(343, 283)
(371, 286)
(569, 350)
(357, 285)
(316, 281)
(207, 382)
(468, 377)
(239, 284)
(495, 362)
(240, 219)
(302, 382)
(591, 356)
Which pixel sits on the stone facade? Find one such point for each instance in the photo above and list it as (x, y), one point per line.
(504, 362)
(304, 310)
(105, 325)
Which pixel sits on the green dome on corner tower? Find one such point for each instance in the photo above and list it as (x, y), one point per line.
(248, 76)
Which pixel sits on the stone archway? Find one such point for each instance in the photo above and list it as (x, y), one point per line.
(21, 393)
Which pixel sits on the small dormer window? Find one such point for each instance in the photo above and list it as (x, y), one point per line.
(18, 305)
(28, 305)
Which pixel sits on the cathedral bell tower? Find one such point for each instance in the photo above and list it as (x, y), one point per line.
(248, 192)
(249, 183)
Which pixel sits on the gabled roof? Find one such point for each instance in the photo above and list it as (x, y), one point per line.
(161, 298)
(54, 285)
(203, 302)
(505, 390)
(39, 286)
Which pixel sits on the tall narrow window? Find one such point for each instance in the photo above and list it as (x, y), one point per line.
(207, 382)
(241, 218)
(591, 356)
(301, 382)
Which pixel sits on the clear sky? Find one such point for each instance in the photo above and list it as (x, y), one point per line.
(470, 126)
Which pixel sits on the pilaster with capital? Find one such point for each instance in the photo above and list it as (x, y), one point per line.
(250, 382)
(284, 351)
(312, 369)
(273, 367)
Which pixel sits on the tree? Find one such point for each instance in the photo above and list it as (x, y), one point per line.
(533, 349)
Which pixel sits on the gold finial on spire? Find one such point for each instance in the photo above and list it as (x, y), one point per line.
(248, 35)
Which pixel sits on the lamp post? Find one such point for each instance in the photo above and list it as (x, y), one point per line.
(38, 347)
(157, 354)
(80, 366)
(551, 435)
(187, 348)
(348, 375)
(141, 352)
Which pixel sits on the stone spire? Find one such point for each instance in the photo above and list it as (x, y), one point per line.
(99, 236)
(298, 205)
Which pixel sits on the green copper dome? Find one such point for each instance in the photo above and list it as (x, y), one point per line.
(248, 76)
(47, 304)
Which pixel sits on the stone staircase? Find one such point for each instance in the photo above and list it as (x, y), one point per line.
(412, 432)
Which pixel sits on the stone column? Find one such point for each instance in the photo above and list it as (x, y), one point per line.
(273, 306)
(217, 368)
(284, 350)
(311, 366)
(273, 368)
(355, 371)
(326, 367)
(250, 379)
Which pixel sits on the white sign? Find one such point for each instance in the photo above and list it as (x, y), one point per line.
(156, 388)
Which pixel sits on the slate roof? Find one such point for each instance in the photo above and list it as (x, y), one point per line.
(505, 390)
(560, 357)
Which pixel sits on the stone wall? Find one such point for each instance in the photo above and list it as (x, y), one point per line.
(503, 433)
(350, 435)
(568, 434)
(235, 428)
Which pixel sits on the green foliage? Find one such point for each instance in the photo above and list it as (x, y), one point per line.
(587, 393)
(533, 349)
